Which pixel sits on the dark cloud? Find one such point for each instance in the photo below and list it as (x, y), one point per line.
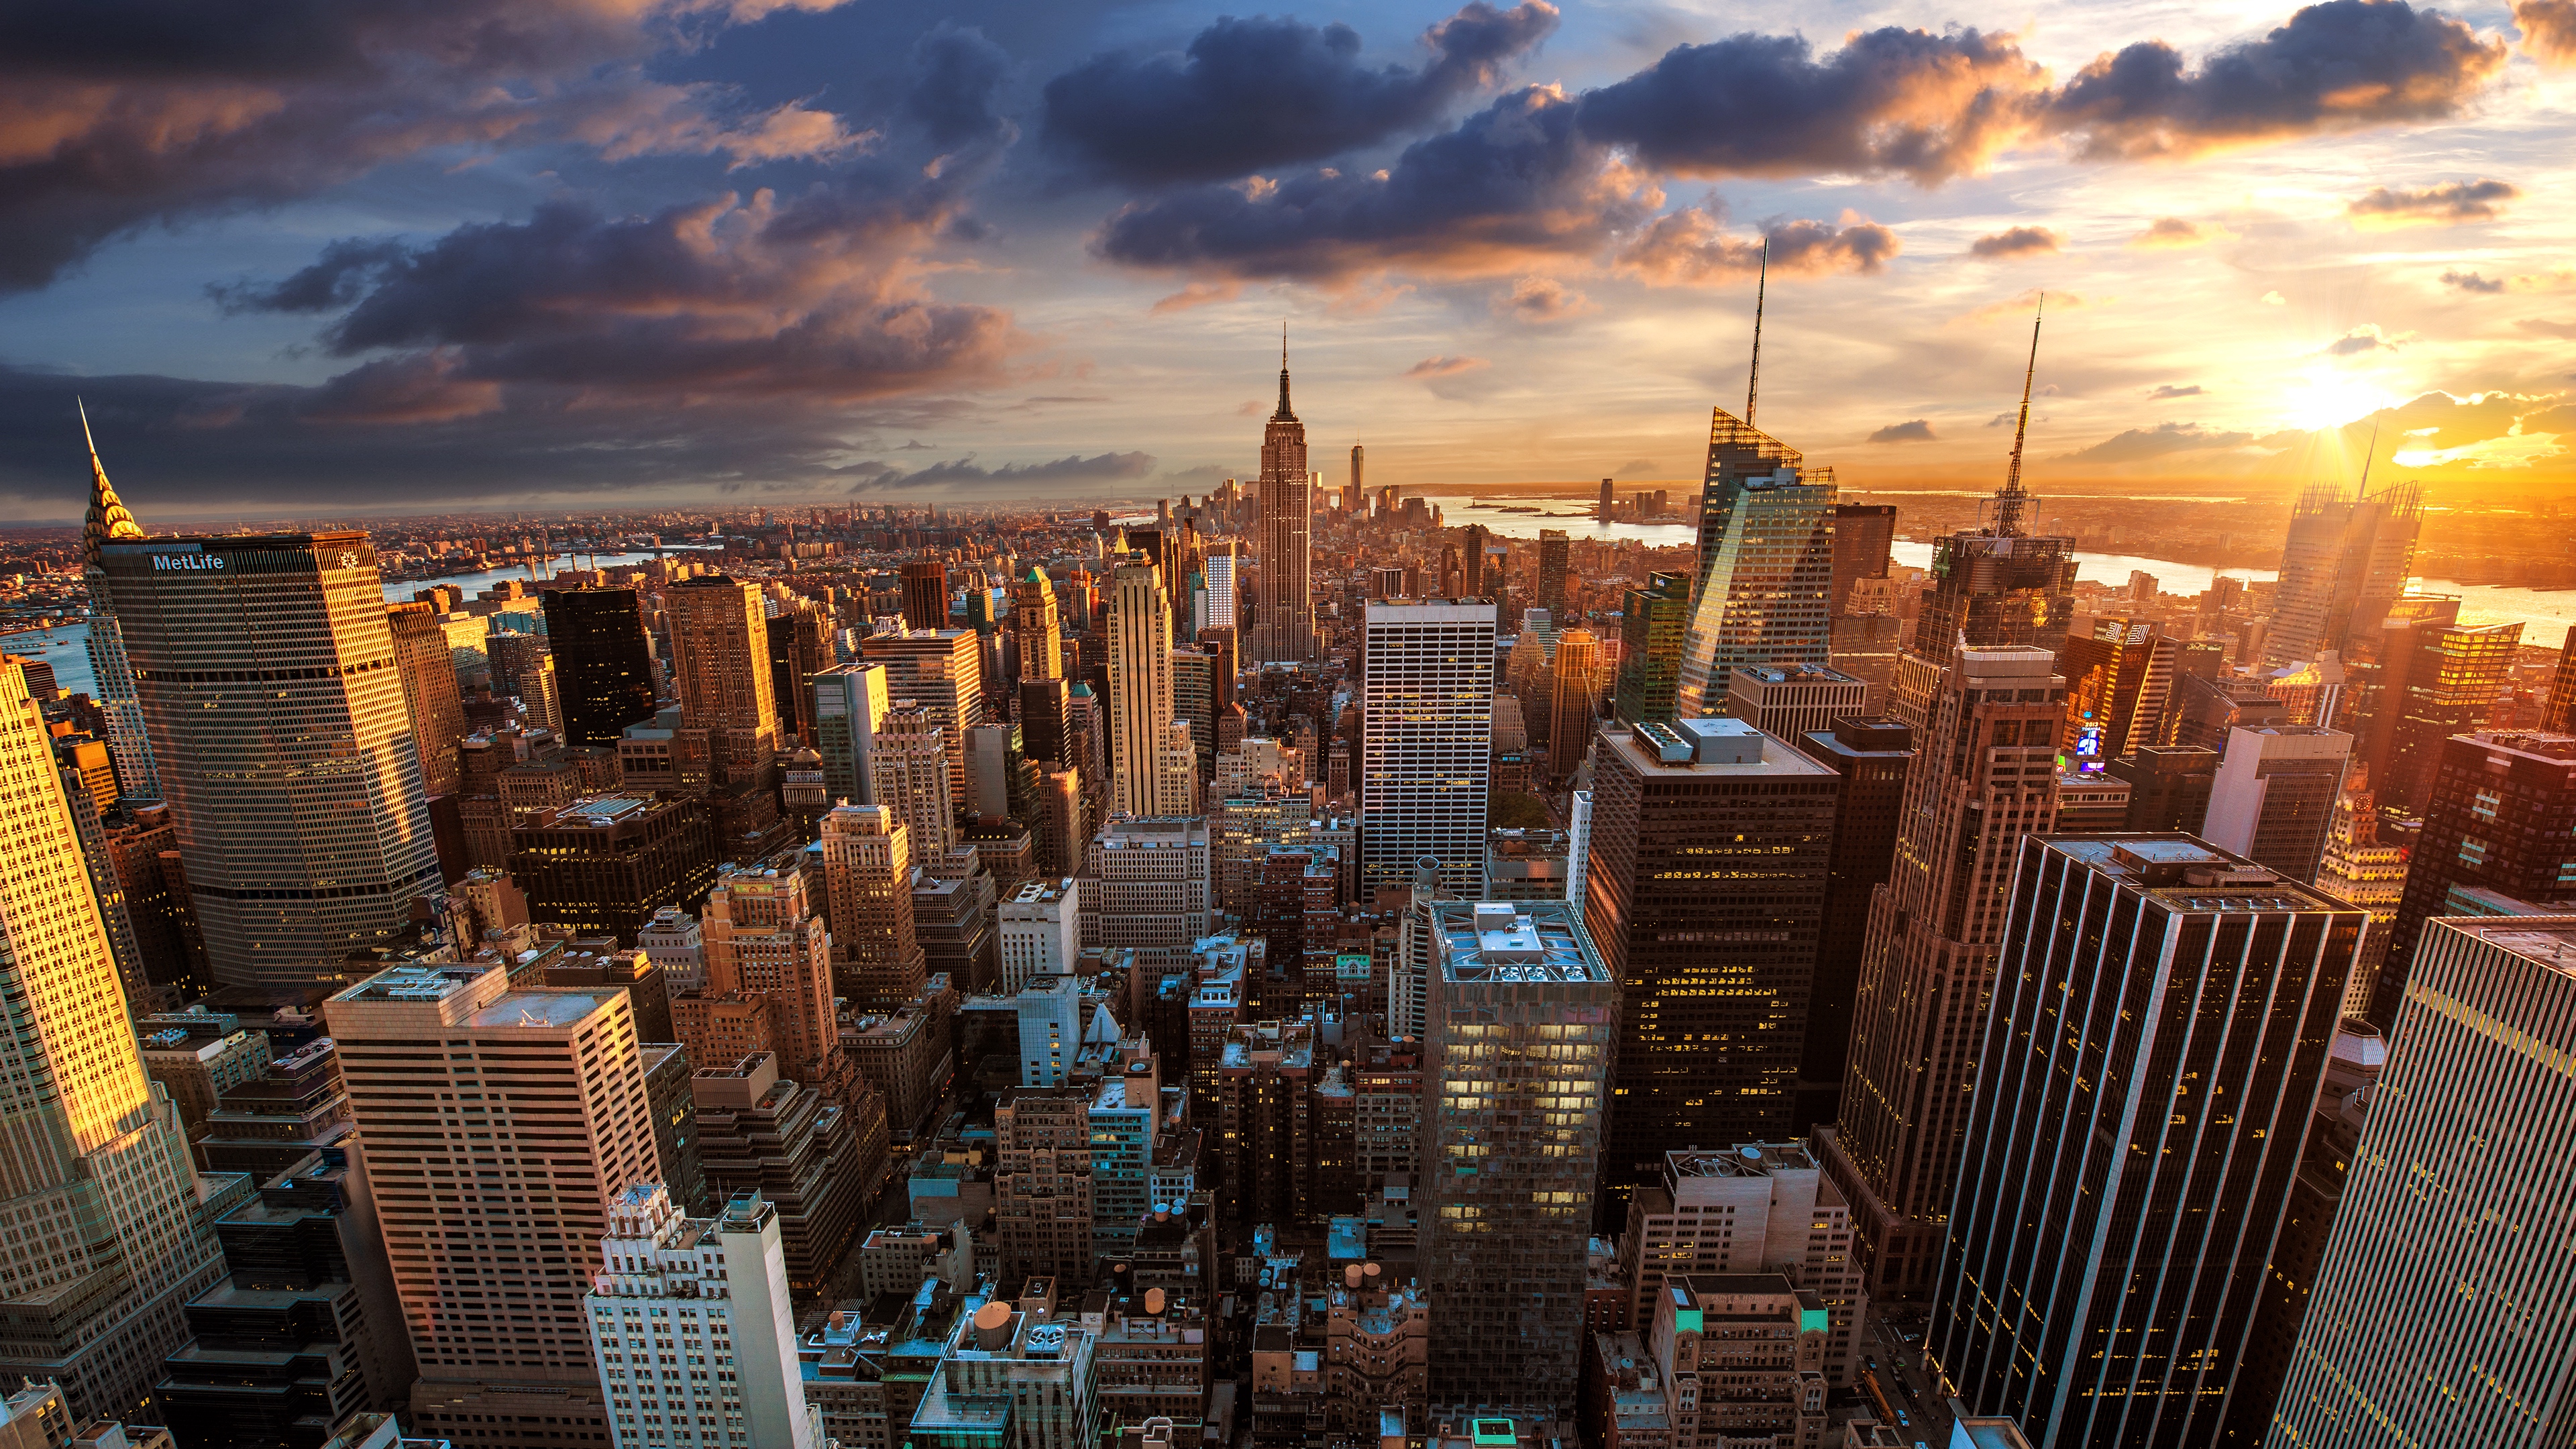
(2336, 66)
(1918, 430)
(2472, 282)
(2449, 204)
(1540, 299)
(1511, 185)
(2171, 391)
(2174, 231)
(2019, 241)
(2139, 444)
(967, 473)
(1255, 93)
(2548, 29)
(1688, 246)
(1898, 101)
(339, 277)
(1633, 467)
(131, 112)
(2367, 338)
(959, 73)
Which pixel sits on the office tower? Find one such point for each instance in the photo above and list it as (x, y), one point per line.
(1472, 555)
(1041, 932)
(102, 1203)
(1755, 1207)
(1554, 551)
(1569, 731)
(2274, 796)
(125, 948)
(2439, 1311)
(2117, 679)
(2497, 819)
(1194, 702)
(1035, 622)
(1050, 1029)
(760, 936)
(1287, 623)
(1140, 691)
(800, 647)
(255, 658)
(1984, 774)
(2201, 710)
(1872, 756)
(850, 704)
(1355, 494)
(925, 594)
(910, 771)
(2086, 1200)
(2457, 676)
(1042, 1184)
(953, 900)
(1146, 887)
(1523, 1019)
(603, 662)
(2344, 564)
(1705, 897)
(2558, 716)
(1426, 740)
(1722, 1359)
(603, 865)
(430, 697)
(1652, 624)
(808, 1157)
(1043, 707)
(2381, 670)
(541, 694)
(1606, 506)
(877, 959)
(1766, 533)
(720, 670)
(128, 738)
(1219, 569)
(690, 1328)
(942, 671)
(1793, 701)
(1863, 533)
(988, 772)
(544, 1084)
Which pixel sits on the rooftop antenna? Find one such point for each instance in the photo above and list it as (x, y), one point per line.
(2362, 491)
(1753, 378)
(2009, 503)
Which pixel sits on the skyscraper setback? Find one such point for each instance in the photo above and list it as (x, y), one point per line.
(267, 677)
(1287, 617)
(1766, 563)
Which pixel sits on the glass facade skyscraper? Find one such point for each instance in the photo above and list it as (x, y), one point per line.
(1766, 563)
(603, 663)
(1426, 740)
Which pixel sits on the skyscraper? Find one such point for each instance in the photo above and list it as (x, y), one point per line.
(128, 738)
(603, 662)
(2440, 1311)
(867, 889)
(925, 594)
(2275, 793)
(720, 669)
(546, 1084)
(1426, 740)
(1522, 1021)
(1766, 562)
(101, 1207)
(1140, 692)
(761, 936)
(1578, 659)
(1554, 552)
(1984, 775)
(1034, 621)
(2141, 1091)
(911, 765)
(1704, 894)
(267, 676)
(850, 704)
(1793, 700)
(2117, 678)
(1355, 494)
(1872, 756)
(2457, 676)
(1287, 627)
(1863, 533)
(1653, 621)
(2344, 564)
(2498, 819)
(430, 695)
(941, 670)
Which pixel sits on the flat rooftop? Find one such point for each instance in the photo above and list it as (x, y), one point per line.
(2549, 940)
(1513, 941)
(2189, 874)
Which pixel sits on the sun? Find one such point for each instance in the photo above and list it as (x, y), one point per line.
(2324, 399)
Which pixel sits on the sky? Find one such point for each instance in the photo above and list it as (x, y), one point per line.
(371, 256)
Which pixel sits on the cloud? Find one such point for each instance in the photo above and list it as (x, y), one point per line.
(160, 111)
(1632, 467)
(2024, 304)
(2337, 66)
(2275, 299)
(2019, 241)
(2472, 282)
(2449, 204)
(967, 473)
(2542, 327)
(1918, 430)
(1511, 185)
(1541, 299)
(957, 73)
(1687, 246)
(2367, 338)
(2171, 391)
(2548, 29)
(2139, 444)
(1263, 92)
(1431, 367)
(1196, 294)
(2174, 231)
(1890, 101)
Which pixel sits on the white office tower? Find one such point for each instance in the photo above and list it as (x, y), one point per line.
(127, 741)
(1426, 740)
(690, 1326)
(1223, 610)
(1578, 851)
(1284, 545)
(1147, 885)
(850, 702)
(2274, 798)
(98, 1201)
(2444, 1310)
(1041, 932)
(1140, 691)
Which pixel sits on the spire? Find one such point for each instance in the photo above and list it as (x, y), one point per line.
(1753, 379)
(107, 517)
(1283, 415)
(2009, 503)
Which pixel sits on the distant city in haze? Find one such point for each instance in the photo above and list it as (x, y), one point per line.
(758, 725)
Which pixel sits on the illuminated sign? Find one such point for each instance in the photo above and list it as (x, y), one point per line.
(188, 561)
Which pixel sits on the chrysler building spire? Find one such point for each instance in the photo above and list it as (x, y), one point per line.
(107, 516)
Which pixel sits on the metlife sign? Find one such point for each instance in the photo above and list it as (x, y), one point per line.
(188, 561)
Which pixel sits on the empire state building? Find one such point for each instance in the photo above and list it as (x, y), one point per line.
(1287, 629)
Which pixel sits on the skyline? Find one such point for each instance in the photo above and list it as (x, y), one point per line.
(628, 253)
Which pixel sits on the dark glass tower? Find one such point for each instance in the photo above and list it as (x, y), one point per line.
(1652, 622)
(603, 662)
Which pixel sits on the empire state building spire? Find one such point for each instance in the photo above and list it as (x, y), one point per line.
(107, 516)
(1283, 415)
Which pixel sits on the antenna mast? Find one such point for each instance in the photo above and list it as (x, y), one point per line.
(1753, 379)
(2009, 503)
(2362, 490)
